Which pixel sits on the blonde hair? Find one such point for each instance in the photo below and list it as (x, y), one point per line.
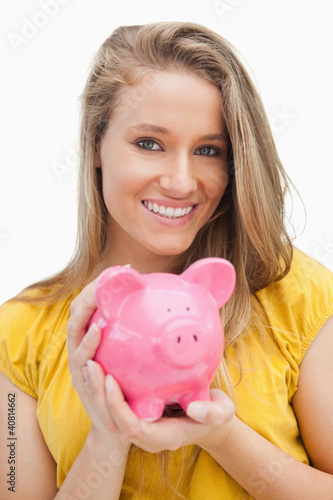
(248, 227)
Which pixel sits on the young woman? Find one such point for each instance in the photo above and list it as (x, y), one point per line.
(177, 163)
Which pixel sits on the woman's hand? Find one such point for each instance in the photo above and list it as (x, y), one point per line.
(211, 422)
(88, 377)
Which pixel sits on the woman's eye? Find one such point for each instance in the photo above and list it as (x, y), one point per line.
(149, 145)
(208, 151)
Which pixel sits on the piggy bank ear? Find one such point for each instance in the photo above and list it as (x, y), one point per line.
(216, 275)
(113, 287)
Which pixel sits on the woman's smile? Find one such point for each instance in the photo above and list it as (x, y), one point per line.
(168, 211)
(171, 216)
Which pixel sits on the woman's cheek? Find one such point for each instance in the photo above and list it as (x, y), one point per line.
(216, 184)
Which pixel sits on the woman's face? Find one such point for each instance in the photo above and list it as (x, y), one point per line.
(164, 165)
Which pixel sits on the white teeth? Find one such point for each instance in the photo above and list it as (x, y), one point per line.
(171, 213)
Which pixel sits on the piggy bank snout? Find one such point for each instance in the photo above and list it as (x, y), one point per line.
(184, 343)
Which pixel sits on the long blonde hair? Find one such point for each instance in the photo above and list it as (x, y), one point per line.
(248, 227)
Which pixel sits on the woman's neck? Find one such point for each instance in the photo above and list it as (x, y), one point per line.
(141, 262)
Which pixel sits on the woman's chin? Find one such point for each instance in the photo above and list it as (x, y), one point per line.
(170, 251)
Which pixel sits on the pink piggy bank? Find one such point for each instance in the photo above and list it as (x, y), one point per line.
(162, 334)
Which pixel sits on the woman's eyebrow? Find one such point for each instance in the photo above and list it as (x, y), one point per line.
(149, 127)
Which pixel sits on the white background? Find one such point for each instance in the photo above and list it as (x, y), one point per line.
(45, 59)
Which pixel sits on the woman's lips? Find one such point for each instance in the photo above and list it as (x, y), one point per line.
(170, 217)
(167, 211)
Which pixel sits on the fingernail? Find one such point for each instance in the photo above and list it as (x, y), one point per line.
(108, 384)
(90, 370)
(197, 411)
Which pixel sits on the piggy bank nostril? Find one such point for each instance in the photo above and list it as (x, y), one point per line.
(179, 339)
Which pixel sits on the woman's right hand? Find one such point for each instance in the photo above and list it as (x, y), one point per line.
(88, 377)
(105, 445)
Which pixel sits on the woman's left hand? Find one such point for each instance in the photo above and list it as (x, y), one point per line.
(206, 423)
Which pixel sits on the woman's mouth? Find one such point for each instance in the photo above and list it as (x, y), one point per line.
(168, 212)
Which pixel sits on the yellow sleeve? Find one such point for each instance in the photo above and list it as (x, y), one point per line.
(310, 294)
(28, 332)
(297, 307)
(22, 343)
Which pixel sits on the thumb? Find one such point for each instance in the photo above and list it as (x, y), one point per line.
(216, 412)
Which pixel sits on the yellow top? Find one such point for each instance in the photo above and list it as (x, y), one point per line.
(33, 355)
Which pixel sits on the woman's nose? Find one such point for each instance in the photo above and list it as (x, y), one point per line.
(179, 179)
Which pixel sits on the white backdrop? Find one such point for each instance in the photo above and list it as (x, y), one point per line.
(46, 48)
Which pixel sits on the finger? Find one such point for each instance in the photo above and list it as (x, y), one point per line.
(82, 308)
(87, 347)
(216, 412)
(95, 398)
(82, 354)
(130, 426)
(204, 417)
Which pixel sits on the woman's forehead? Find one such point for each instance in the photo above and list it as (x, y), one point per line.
(173, 100)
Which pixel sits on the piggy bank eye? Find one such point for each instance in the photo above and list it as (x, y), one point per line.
(169, 310)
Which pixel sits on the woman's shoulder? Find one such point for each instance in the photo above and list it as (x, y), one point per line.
(298, 305)
(307, 280)
(21, 315)
(27, 332)
(308, 269)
